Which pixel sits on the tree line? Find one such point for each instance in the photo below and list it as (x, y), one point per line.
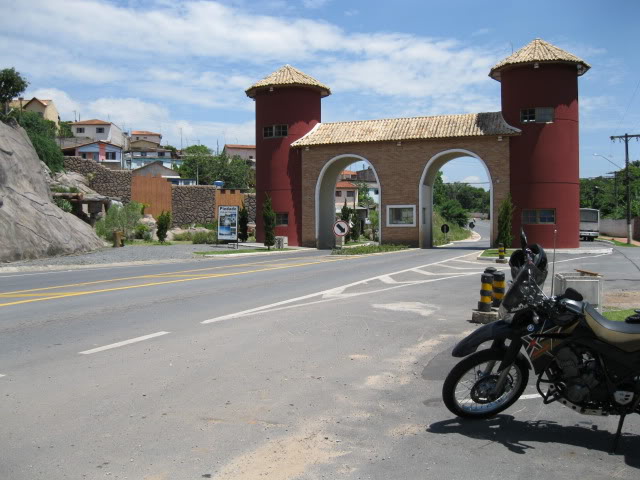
(609, 194)
(201, 163)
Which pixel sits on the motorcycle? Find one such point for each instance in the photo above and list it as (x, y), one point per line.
(581, 359)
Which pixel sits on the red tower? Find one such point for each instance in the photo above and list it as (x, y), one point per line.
(287, 108)
(539, 85)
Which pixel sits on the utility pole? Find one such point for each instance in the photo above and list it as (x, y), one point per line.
(626, 138)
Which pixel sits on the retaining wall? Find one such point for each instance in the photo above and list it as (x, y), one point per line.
(111, 183)
(193, 204)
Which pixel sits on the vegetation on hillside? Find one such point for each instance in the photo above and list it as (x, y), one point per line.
(201, 163)
(609, 194)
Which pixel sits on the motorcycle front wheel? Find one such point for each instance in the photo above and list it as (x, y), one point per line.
(469, 390)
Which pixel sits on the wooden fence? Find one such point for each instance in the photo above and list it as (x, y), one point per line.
(152, 191)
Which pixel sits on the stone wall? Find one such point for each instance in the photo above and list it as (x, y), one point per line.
(111, 183)
(193, 204)
(250, 204)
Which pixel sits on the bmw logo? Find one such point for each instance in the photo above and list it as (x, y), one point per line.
(531, 327)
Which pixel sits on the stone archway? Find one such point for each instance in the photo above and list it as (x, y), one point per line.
(427, 179)
(325, 211)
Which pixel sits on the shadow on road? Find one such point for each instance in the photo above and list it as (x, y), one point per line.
(517, 435)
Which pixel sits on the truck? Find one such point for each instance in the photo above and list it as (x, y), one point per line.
(589, 224)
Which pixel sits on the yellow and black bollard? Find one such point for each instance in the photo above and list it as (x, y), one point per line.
(501, 252)
(499, 285)
(486, 292)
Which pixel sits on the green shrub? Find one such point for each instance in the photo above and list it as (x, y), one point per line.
(61, 189)
(243, 224)
(452, 211)
(183, 237)
(63, 204)
(269, 220)
(122, 219)
(141, 230)
(505, 237)
(205, 237)
(163, 222)
(208, 226)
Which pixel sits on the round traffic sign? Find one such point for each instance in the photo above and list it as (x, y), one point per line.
(341, 228)
(472, 225)
(444, 228)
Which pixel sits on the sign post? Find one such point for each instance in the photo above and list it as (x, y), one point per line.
(445, 229)
(228, 223)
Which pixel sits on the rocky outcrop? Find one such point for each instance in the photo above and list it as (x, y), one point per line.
(31, 225)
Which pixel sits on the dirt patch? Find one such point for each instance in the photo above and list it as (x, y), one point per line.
(407, 429)
(284, 458)
(622, 299)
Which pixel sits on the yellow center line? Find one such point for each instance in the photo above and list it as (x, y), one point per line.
(156, 275)
(201, 277)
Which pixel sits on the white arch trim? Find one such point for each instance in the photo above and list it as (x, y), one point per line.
(433, 162)
(321, 178)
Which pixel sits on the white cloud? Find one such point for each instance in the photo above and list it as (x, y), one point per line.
(472, 179)
(64, 103)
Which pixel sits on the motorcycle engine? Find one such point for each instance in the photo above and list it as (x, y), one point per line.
(580, 374)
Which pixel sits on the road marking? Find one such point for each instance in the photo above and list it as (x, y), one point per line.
(530, 396)
(123, 343)
(337, 292)
(55, 296)
(1, 375)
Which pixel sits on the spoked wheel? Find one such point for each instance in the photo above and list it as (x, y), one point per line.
(470, 388)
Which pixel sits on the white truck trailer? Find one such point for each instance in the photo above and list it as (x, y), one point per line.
(589, 224)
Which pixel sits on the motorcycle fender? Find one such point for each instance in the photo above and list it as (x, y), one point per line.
(492, 331)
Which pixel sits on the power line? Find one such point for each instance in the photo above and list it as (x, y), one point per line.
(628, 105)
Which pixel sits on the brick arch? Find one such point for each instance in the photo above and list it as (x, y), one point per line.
(435, 163)
(325, 196)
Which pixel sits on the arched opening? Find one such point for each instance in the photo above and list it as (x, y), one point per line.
(326, 201)
(427, 180)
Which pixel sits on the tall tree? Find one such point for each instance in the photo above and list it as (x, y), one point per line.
(243, 224)
(269, 222)
(12, 84)
(505, 215)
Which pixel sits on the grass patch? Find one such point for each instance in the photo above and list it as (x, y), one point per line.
(455, 232)
(619, 244)
(242, 250)
(493, 252)
(618, 315)
(366, 249)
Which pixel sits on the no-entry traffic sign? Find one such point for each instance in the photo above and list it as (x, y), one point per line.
(340, 228)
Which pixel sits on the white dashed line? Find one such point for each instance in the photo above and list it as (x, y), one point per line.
(123, 343)
(1, 375)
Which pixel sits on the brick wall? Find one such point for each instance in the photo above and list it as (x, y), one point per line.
(400, 169)
(111, 183)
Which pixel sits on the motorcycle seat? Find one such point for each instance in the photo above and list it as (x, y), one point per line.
(625, 336)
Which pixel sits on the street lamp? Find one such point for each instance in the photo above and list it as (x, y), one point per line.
(602, 156)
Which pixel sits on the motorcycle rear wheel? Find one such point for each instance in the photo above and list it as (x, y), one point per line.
(467, 390)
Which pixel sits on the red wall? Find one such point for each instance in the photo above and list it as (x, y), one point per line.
(544, 160)
(278, 167)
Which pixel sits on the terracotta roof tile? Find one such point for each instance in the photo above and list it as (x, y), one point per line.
(345, 185)
(538, 51)
(144, 132)
(94, 121)
(417, 128)
(288, 76)
(228, 145)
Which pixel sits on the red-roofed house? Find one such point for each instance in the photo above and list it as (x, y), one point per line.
(99, 130)
(348, 191)
(246, 152)
(146, 135)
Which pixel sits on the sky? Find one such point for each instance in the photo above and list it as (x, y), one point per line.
(181, 67)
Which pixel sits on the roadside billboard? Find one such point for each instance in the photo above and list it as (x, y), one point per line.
(228, 223)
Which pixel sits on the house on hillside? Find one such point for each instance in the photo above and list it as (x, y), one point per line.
(143, 153)
(246, 152)
(101, 131)
(157, 169)
(348, 175)
(105, 153)
(45, 108)
(145, 135)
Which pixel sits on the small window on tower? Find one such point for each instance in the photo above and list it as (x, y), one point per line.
(281, 131)
(267, 132)
(282, 219)
(537, 115)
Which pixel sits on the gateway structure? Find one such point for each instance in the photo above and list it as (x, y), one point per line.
(529, 149)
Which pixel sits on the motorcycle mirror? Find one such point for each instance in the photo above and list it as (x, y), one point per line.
(523, 239)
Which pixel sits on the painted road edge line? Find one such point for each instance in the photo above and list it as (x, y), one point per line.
(123, 343)
(1, 375)
(530, 396)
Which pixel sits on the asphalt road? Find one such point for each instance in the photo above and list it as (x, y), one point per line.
(300, 365)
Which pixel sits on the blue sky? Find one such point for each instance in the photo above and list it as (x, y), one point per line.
(172, 66)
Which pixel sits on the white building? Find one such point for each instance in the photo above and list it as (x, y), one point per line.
(145, 135)
(100, 130)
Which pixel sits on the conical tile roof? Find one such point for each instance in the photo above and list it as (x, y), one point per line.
(538, 51)
(288, 76)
